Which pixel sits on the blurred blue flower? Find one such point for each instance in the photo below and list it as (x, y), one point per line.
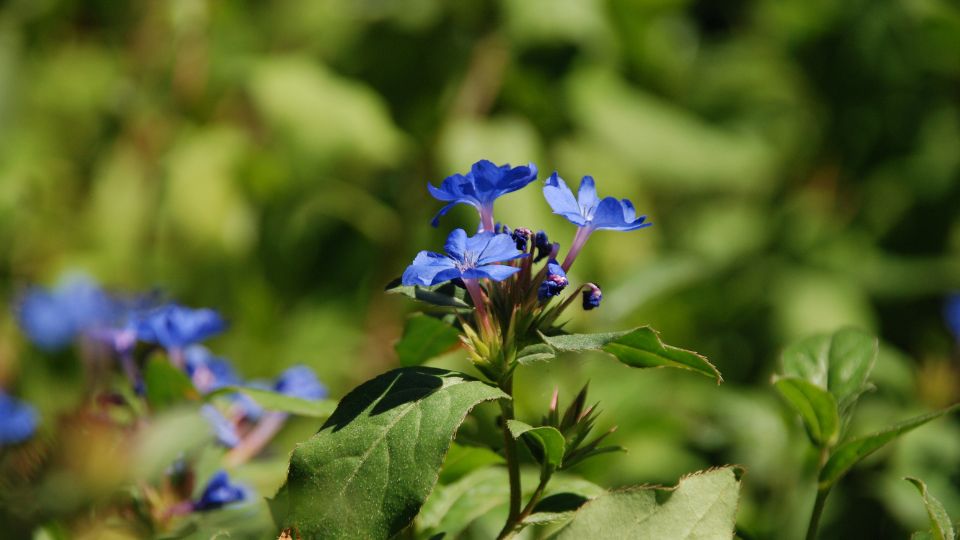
(18, 420)
(591, 297)
(208, 372)
(54, 318)
(588, 210)
(174, 326)
(480, 187)
(219, 492)
(553, 283)
(300, 382)
(473, 257)
(951, 314)
(223, 428)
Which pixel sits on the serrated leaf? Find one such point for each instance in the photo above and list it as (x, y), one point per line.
(850, 453)
(816, 407)
(639, 348)
(941, 528)
(274, 401)
(368, 470)
(166, 385)
(425, 337)
(702, 506)
(538, 352)
(445, 295)
(839, 363)
(547, 438)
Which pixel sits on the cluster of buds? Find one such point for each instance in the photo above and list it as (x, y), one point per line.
(576, 424)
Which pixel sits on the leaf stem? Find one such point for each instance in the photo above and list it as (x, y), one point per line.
(513, 464)
(817, 511)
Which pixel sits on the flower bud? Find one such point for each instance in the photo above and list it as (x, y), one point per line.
(591, 296)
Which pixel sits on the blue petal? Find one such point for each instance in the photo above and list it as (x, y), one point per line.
(499, 248)
(456, 244)
(561, 199)
(208, 372)
(494, 272)
(951, 314)
(18, 420)
(443, 211)
(174, 326)
(587, 197)
(219, 492)
(629, 212)
(425, 268)
(223, 429)
(300, 382)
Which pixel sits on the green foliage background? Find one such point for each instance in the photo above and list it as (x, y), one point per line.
(799, 159)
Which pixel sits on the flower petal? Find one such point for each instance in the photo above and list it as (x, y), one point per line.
(587, 197)
(456, 244)
(499, 248)
(561, 199)
(495, 272)
(425, 269)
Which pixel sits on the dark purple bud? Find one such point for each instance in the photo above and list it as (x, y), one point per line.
(521, 236)
(501, 228)
(555, 281)
(542, 243)
(591, 297)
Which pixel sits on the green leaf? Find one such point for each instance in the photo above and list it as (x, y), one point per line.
(462, 460)
(850, 453)
(816, 406)
(321, 408)
(555, 508)
(941, 528)
(702, 506)
(445, 295)
(425, 337)
(452, 508)
(538, 352)
(639, 348)
(549, 440)
(166, 385)
(839, 363)
(368, 470)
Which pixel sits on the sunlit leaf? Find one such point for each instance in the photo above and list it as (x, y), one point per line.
(702, 506)
(850, 453)
(639, 348)
(548, 439)
(368, 470)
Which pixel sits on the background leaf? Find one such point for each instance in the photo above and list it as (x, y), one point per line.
(816, 407)
(702, 506)
(850, 453)
(368, 470)
(319, 408)
(941, 528)
(166, 385)
(840, 363)
(640, 348)
(423, 338)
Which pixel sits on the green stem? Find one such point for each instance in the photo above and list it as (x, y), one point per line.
(513, 464)
(817, 511)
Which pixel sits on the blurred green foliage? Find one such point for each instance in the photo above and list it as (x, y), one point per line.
(799, 159)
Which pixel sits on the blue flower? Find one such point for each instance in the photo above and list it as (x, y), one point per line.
(554, 283)
(208, 372)
(951, 314)
(219, 492)
(470, 258)
(588, 210)
(174, 326)
(300, 382)
(18, 420)
(480, 187)
(543, 246)
(592, 297)
(54, 318)
(223, 429)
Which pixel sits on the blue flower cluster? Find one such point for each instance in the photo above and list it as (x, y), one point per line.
(497, 253)
(79, 309)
